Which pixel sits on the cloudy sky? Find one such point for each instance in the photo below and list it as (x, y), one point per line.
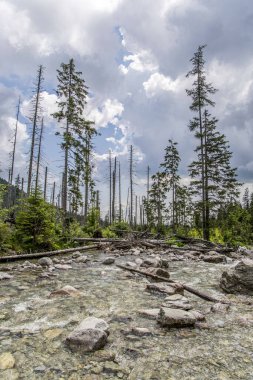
(134, 55)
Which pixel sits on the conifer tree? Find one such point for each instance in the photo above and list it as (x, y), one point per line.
(200, 95)
(170, 165)
(71, 93)
(157, 197)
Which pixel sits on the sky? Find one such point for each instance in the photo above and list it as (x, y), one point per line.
(134, 56)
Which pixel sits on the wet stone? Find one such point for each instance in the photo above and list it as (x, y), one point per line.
(238, 279)
(109, 261)
(90, 335)
(45, 262)
(175, 318)
(149, 313)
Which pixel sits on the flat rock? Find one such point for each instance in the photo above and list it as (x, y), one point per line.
(45, 262)
(140, 331)
(151, 262)
(163, 287)
(67, 290)
(178, 305)
(214, 258)
(5, 276)
(238, 279)
(52, 333)
(62, 266)
(7, 360)
(175, 318)
(90, 335)
(149, 313)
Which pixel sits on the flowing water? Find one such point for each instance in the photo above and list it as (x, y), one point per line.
(33, 327)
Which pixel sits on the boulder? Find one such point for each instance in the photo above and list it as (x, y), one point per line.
(5, 276)
(90, 335)
(219, 307)
(109, 261)
(238, 279)
(45, 262)
(175, 318)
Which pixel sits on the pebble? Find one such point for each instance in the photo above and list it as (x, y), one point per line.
(7, 361)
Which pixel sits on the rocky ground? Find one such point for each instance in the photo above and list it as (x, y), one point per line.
(92, 320)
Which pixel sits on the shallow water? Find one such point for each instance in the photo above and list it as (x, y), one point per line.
(33, 327)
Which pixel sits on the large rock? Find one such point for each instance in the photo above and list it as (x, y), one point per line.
(5, 276)
(45, 262)
(109, 261)
(175, 318)
(214, 258)
(238, 279)
(90, 335)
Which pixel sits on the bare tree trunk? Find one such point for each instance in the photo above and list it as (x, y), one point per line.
(53, 195)
(14, 144)
(34, 128)
(114, 190)
(127, 204)
(38, 158)
(131, 186)
(120, 206)
(45, 185)
(110, 184)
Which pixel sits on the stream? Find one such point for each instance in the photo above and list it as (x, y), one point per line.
(34, 326)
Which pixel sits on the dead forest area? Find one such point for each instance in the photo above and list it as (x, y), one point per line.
(37, 215)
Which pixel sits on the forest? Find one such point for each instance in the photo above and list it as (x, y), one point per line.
(211, 206)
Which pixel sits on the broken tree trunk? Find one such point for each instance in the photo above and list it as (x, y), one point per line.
(189, 289)
(6, 259)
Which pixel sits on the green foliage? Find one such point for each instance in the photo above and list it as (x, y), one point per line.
(108, 233)
(35, 224)
(93, 221)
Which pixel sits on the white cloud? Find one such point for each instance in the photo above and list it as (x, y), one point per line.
(109, 112)
(158, 82)
(141, 61)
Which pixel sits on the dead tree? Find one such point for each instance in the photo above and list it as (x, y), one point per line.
(39, 158)
(35, 119)
(120, 206)
(45, 185)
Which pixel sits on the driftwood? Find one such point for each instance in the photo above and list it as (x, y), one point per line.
(5, 259)
(189, 289)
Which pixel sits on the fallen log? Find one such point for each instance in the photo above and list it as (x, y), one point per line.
(5, 259)
(205, 296)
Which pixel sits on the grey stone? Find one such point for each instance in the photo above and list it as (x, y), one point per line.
(238, 279)
(175, 318)
(158, 272)
(63, 266)
(214, 258)
(82, 259)
(45, 262)
(90, 335)
(149, 313)
(164, 288)
(109, 261)
(5, 276)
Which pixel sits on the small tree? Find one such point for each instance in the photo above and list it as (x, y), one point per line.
(35, 224)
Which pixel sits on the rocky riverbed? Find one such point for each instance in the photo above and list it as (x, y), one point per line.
(43, 303)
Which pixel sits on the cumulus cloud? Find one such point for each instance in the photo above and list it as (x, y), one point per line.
(134, 57)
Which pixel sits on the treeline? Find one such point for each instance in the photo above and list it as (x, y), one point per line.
(208, 207)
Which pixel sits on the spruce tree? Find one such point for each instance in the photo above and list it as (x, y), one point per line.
(170, 165)
(157, 198)
(71, 93)
(200, 95)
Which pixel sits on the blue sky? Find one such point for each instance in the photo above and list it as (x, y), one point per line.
(134, 55)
